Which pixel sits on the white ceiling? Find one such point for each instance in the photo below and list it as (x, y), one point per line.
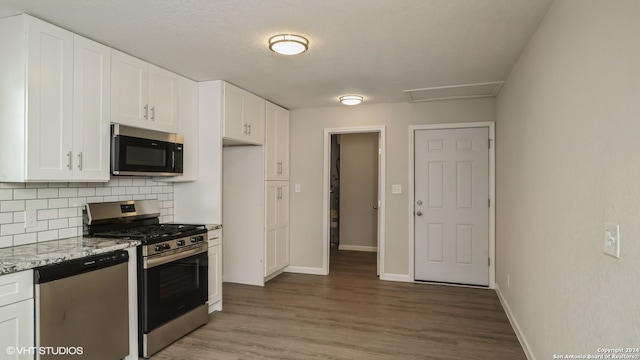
(376, 48)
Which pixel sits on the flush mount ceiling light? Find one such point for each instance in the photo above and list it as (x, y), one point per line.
(288, 44)
(351, 99)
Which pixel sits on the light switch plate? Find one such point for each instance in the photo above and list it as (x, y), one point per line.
(296, 188)
(612, 240)
(396, 189)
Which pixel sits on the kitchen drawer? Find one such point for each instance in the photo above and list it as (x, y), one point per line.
(215, 237)
(16, 287)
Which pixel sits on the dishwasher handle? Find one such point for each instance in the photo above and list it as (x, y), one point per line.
(47, 273)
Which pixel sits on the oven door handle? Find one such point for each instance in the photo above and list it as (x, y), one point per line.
(151, 262)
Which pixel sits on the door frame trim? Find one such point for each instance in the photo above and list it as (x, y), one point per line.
(326, 181)
(492, 191)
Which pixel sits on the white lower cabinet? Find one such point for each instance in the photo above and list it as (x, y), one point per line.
(16, 316)
(215, 270)
(276, 248)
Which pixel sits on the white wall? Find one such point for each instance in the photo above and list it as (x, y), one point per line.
(568, 160)
(307, 137)
(58, 206)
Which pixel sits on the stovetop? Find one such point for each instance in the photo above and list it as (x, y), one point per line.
(135, 220)
(155, 233)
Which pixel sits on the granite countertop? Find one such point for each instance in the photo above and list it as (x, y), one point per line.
(213, 226)
(24, 257)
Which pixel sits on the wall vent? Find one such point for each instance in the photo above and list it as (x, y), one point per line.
(464, 91)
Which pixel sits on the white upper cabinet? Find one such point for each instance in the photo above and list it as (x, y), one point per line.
(37, 115)
(91, 110)
(163, 99)
(243, 116)
(276, 143)
(143, 95)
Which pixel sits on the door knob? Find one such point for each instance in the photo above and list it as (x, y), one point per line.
(419, 202)
(375, 208)
(419, 213)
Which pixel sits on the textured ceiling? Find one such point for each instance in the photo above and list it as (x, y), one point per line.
(376, 48)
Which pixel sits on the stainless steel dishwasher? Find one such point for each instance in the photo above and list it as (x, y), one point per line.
(82, 308)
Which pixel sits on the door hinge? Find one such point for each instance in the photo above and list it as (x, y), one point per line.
(489, 203)
(489, 262)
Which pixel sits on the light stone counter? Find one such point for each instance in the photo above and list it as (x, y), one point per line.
(23, 257)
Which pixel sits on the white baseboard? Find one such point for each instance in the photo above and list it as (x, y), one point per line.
(515, 326)
(305, 270)
(358, 248)
(395, 277)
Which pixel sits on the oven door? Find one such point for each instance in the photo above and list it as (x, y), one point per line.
(172, 285)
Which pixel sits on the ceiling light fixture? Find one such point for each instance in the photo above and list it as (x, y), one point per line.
(288, 44)
(351, 99)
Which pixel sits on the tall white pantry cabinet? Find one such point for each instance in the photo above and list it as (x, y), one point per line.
(255, 203)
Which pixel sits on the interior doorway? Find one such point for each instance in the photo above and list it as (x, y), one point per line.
(353, 196)
(354, 192)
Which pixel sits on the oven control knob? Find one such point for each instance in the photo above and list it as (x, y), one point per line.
(180, 242)
(166, 246)
(200, 238)
(194, 239)
(158, 247)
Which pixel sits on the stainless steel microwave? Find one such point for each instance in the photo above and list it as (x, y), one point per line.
(136, 151)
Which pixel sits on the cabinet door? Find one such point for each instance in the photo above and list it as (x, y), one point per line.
(271, 227)
(233, 126)
(163, 99)
(17, 330)
(91, 110)
(129, 82)
(50, 102)
(282, 235)
(276, 226)
(215, 275)
(253, 118)
(276, 143)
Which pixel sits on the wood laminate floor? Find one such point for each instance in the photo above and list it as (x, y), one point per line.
(351, 314)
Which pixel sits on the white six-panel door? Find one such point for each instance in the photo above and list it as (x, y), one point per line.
(451, 205)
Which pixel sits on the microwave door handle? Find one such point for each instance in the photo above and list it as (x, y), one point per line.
(173, 159)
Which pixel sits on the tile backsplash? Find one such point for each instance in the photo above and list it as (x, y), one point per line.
(58, 206)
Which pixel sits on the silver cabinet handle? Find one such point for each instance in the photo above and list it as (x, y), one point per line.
(146, 112)
(153, 113)
(80, 161)
(244, 129)
(69, 160)
(279, 192)
(249, 127)
(279, 167)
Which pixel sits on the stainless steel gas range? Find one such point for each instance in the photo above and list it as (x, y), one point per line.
(172, 268)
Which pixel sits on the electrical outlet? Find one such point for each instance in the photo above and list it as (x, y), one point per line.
(612, 240)
(30, 219)
(396, 189)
